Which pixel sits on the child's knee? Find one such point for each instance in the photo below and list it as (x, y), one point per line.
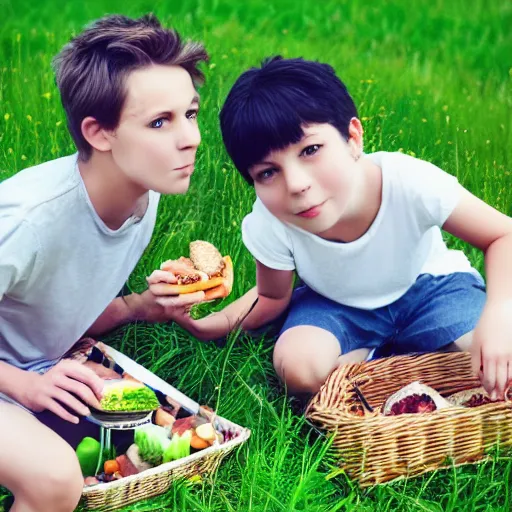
(52, 485)
(60, 488)
(299, 381)
(304, 356)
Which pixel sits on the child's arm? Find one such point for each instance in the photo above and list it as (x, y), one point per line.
(143, 307)
(256, 308)
(61, 385)
(491, 231)
(118, 313)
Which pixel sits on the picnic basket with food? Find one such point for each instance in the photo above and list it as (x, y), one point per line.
(174, 437)
(402, 416)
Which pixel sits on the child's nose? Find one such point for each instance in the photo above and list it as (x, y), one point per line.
(297, 181)
(189, 135)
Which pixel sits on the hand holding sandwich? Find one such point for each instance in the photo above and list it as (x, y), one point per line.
(147, 308)
(144, 307)
(257, 308)
(206, 272)
(173, 288)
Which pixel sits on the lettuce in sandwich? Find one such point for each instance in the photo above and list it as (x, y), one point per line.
(127, 396)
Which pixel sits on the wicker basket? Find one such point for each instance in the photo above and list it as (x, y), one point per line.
(157, 480)
(373, 448)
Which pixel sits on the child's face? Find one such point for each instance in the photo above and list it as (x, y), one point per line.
(312, 184)
(156, 140)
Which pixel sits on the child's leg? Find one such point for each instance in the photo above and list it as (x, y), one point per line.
(438, 313)
(319, 335)
(36, 465)
(305, 355)
(461, 344)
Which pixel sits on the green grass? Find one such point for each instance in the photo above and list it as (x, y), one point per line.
(431, 78)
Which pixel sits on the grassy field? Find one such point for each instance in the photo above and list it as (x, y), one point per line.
(431, 78)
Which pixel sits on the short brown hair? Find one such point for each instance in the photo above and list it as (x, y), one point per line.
(91, 69)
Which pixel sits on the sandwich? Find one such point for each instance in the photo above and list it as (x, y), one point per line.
(205, 270)
(128, 395)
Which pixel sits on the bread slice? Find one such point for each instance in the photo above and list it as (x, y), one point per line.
(223, 290)
(206, 257)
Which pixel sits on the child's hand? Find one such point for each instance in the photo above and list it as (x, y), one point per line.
(492, 348)
(152, 308)
(161, 276)
(181, 315)
(64, 384)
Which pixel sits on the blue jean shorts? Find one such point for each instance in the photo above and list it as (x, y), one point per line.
(434, 312)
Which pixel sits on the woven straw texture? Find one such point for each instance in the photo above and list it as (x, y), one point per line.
(372, 448)
(152, 482)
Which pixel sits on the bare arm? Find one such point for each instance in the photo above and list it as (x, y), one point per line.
(118, 313)
(144, 307)
(66, 383)
(256, 308)
(491, 231)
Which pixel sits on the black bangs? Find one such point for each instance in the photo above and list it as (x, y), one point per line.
(263, 123)
(267, 108)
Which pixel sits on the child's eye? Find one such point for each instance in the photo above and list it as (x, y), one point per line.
(192, 114)
(310, 150)
(157, 123)
(265, 175)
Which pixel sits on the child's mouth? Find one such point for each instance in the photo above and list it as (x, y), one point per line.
(312, 212)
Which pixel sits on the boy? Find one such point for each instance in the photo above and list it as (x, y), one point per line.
(363, 232)
(72, 230)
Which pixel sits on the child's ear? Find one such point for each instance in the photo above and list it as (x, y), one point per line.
(95, 135)
(355, 132)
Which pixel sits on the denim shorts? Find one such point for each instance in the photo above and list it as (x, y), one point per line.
(434, 312)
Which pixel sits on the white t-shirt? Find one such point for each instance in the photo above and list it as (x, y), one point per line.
(403, 241)
(60, 265)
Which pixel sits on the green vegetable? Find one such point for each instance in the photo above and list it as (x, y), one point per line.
(179, 447)
(88, 452)
(128, 396)
(152, 442)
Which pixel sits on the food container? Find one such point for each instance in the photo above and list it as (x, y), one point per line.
(373, 448)
(109, 496)
(152, 482)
